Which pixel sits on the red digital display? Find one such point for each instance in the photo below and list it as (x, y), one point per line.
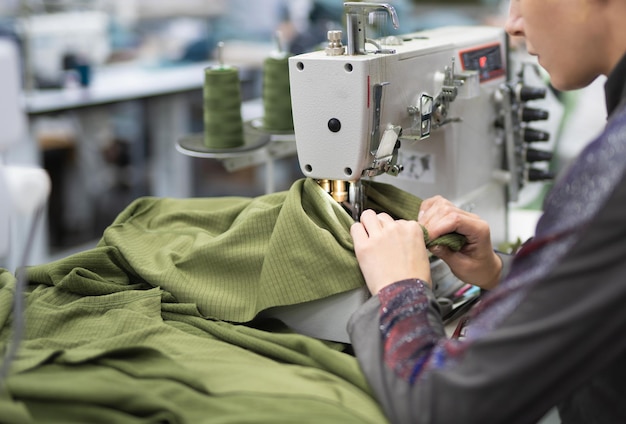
(487, 60)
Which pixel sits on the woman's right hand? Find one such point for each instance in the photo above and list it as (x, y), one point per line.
(389, 250)
(476, 263)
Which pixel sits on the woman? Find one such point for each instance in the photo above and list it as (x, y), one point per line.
(550, 330)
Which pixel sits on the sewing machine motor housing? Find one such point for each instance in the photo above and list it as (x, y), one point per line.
(418, 113)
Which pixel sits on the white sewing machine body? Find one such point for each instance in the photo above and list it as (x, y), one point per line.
(345, 107)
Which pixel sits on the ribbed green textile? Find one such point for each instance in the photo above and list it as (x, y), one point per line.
(402, 205)
(156, 324)
(118, 353)
(233, 257)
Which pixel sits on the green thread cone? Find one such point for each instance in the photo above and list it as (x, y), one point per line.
(277, 114)
(223, 126)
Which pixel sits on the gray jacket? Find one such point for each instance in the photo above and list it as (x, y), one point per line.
(551, 334)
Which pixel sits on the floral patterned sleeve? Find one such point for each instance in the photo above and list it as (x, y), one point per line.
(409, 339)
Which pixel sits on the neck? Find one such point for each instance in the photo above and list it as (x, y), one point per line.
(616, 33)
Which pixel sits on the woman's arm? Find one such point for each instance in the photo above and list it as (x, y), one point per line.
(553, 325)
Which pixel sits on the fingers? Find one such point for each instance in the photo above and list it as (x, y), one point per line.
(369, 226)
(358, 233)
(440, 217)
(389, 250)
(372, 223)
(434, 208)
(372, 226)
(476, 262)
(384, 218)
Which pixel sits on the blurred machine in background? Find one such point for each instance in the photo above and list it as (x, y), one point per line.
(23, 189)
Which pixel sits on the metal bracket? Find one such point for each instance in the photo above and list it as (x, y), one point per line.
(356, 19)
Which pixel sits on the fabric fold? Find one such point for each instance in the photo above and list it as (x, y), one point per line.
(160, 321)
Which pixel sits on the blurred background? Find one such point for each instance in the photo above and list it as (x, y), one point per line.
(109, 86)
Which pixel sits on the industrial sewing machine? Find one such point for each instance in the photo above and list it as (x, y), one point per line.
(432, 112)
(418, 111)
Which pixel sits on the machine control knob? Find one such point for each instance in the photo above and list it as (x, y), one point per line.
(334, 36)
(535, 174)
(526, 93)
(531, 135)
(533, 114)
(335, 47)
(534, 155)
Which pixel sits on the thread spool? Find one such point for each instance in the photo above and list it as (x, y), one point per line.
(223, 126)
(277, 114)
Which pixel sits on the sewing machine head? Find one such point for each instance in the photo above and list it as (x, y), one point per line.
(416, 111)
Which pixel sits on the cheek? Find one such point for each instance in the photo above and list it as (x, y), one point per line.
(577, 58)
(569, 73)
(559, 31)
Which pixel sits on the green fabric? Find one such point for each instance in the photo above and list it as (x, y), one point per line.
(232, 257)
(105, 355)
(402, 205)
(156, 323)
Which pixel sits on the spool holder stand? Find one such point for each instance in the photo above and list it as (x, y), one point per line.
(261, 148)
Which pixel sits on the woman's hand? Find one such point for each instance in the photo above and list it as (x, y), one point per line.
(389, 250)
(477, 262)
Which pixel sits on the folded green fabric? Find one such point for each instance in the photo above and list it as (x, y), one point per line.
(233, 257)
(157, 323)
(133, 357)
(402, 205)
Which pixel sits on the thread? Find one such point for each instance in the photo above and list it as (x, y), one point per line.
(223, 126)
(277, 114)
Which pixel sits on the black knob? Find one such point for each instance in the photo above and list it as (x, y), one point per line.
(534, 155)
(533, 114)
(535, 174)
(531, 135)
(526, 93)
